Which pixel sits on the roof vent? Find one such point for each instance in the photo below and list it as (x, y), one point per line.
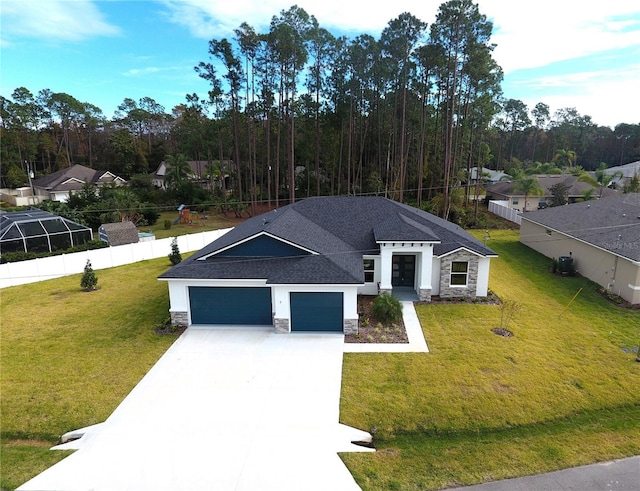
(588, 206)
(624, 214)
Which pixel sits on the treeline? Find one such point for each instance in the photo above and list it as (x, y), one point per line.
(297, 111)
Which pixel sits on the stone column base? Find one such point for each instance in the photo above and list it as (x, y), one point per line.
(350, 326)
(424, 294)
(385, 291)
(281, 325)
(179, 318)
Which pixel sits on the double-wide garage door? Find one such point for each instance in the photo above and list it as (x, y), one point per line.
(251, 306)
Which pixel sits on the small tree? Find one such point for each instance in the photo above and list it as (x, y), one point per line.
(175, 257)
(89, 279)
(508, 308)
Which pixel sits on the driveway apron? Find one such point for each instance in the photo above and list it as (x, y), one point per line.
(223, 409)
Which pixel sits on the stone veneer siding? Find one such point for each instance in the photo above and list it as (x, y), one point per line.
(350, 326)
(180, 318)
(447, 291)
(424, 295)
(281, 325)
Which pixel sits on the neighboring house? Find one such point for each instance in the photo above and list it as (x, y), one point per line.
(627, 170)
(301, 267)
(34, 230)
(198, 175)
(59, 185)
(487, 175)
(508, 191)
(602, 236)
(119, 233)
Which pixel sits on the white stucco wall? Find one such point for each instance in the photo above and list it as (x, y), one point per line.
(618, 274)
(424, 259)
(482, 288)
(280, 298)
(371, 288)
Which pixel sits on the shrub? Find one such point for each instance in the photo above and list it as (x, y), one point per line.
(175, 257)
(89, 279)
(167, 224)
(387, 308)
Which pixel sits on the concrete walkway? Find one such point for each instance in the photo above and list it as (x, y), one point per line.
(416, 344)
(228, 409)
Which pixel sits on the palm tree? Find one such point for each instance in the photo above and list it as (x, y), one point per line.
(178, 170)
(529, 187)
(565, 158)
(602, 179)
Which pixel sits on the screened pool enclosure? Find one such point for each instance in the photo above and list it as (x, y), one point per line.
(35, 230)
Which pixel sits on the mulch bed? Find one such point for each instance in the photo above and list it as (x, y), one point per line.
(170, 330)
(371, 330)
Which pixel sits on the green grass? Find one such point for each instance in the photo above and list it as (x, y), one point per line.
(70, 357)
(479, 407)
(214, 221)
(561, 392)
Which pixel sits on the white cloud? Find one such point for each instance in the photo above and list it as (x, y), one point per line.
(70, 20)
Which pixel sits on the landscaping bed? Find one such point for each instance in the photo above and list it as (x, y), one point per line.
(373, 330)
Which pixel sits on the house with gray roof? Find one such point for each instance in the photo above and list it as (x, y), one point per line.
(508, 191)
(58, 186)
(602, 236)
(302, 267)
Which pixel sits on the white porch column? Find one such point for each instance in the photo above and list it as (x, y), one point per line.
(386, 266)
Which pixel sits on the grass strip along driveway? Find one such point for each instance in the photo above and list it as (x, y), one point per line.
(69, 358)
(561, 392)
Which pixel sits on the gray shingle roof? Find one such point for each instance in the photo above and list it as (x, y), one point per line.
(546, 182)
(611, 223)
(120, 233)
(338, 229)
(58, 180)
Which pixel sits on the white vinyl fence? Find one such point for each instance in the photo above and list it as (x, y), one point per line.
(47, 268)
(502, 209)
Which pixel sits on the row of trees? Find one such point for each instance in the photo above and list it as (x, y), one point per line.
(300, 112)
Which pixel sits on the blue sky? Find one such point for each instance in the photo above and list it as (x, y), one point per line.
(565, 53)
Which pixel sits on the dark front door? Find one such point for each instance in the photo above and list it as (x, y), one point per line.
(404, 270)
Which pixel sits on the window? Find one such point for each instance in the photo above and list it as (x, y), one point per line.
(515, 201)
(369, 270)
(459, 271)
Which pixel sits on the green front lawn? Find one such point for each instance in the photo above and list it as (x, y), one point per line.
(480, 407)
(70, 357)
(561, 392)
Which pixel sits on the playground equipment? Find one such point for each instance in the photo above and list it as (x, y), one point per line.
(185, 217)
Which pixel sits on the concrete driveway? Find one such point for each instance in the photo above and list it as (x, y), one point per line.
(223, 409)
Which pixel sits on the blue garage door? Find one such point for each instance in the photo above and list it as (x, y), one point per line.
(229, 305)
(316, 311)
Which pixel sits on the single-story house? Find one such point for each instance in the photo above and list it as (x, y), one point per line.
(627, 172)
(118, 233)
(302, 267)
(508, 191)
(57, 186)
(602, 236)
(198, 174)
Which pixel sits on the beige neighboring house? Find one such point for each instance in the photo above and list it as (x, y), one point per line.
(58, 186)
(602, 236)
(507, 191)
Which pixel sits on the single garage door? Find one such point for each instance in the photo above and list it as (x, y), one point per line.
(316, 311)
(230, 305)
